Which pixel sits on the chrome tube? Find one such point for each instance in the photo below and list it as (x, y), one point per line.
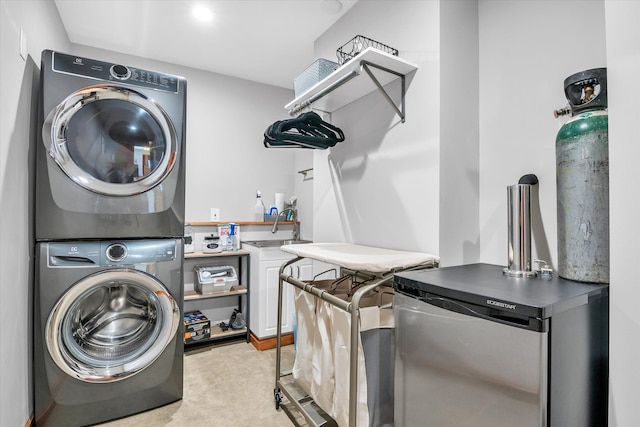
(519, 231)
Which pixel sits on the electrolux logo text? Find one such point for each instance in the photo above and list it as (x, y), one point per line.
(501, 304)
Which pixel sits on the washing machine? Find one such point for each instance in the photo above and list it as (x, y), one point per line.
(111, 155)
(108, 330)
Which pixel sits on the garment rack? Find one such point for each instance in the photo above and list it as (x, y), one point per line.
(377, 279)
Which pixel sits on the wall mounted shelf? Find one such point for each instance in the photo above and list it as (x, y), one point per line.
(325, 95)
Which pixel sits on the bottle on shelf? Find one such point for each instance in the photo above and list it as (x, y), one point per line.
(259, 214)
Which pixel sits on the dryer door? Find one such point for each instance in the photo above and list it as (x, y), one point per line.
(111, 140)
(111, 325)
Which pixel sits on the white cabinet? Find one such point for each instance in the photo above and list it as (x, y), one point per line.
(265, 269)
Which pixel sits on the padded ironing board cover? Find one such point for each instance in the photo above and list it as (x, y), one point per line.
(359, 257)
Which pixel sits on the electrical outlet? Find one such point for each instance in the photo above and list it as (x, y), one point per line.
(215, 214)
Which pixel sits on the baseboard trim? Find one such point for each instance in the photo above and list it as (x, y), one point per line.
(269, 343)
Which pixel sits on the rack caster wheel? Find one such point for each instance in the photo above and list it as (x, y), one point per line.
(277, 397)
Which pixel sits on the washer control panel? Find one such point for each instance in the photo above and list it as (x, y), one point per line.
(99, 70)
(120, 72)
(116, 252)
(104, 253)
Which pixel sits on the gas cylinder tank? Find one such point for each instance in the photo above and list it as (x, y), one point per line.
(582, 173)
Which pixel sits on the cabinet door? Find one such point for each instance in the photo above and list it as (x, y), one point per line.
(269, 300)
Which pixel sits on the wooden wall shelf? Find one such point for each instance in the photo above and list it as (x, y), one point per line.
(204, 223)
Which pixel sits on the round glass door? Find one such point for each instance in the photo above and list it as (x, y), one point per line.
(111, 325)
(111, 140)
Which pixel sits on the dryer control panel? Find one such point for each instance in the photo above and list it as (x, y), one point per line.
(100, 70)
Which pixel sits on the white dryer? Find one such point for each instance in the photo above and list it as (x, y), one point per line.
(110, 161)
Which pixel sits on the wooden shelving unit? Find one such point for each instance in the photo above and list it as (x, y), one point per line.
(235, 290)
(210, 223)
(217, 332)
(241, 292)
(239, 252)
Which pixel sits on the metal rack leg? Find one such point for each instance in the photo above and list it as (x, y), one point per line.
(276, 390)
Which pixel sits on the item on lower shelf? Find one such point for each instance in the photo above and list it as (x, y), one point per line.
(237, 320)
(210, 279)
(196, 327)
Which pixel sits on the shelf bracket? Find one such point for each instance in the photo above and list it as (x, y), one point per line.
(305, 172)
(401, 112)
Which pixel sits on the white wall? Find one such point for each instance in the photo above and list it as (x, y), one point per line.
(226, 159)
(527, 49)
(18, 91)
(384, 190)
(623, 69)
(303, 190)
(459, 133)
(393, 182)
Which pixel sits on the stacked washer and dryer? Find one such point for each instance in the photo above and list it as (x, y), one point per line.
(110, 189)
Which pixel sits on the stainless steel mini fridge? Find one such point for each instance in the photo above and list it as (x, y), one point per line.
(477, 348)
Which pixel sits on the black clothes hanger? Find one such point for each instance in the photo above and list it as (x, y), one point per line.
(305, 131)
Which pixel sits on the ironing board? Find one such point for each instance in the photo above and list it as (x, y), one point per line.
(359, 257)
(381, 263)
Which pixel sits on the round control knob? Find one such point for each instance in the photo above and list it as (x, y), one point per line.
(116, 252)
(120, 72)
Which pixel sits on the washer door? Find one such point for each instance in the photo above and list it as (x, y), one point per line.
(111, 325)
(111, 140)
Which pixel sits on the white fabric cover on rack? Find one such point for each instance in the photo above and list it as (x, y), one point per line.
(341, 353)
(359, 257)
(305, 306)
(323, 379)
(372, 316)
(323, 344)
(313, 364)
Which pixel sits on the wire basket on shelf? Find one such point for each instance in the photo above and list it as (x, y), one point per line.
(359, 43)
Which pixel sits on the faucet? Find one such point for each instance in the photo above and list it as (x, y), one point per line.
(295, 234)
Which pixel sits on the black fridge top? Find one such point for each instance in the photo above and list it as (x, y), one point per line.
(486, 285)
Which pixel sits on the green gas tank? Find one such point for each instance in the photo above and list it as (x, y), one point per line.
(582, 174)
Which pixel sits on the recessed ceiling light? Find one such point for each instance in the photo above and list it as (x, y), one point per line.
(202, 13)
(331, 6)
